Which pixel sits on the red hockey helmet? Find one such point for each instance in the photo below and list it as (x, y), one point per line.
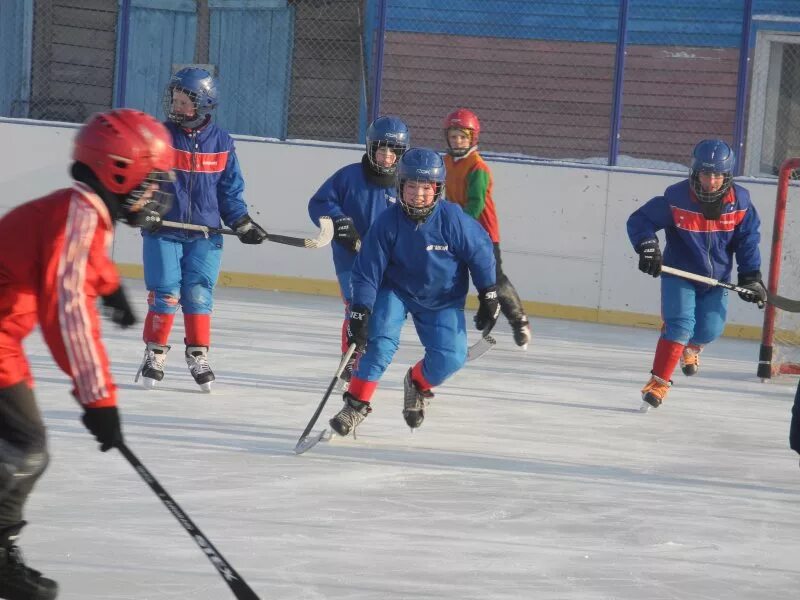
(123, 147)
(464, 119)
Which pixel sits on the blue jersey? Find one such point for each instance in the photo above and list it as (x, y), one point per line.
(696, 244)
(351, 193)
(425, 264)
(209, 183)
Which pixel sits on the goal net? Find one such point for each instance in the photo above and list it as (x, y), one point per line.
(780, 336)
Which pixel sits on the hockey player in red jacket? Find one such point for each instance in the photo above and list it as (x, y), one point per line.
(54, 264)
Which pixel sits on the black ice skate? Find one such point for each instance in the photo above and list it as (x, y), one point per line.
(197, 360)
(414, 402)
(17, 581)
(152, 367)
(522, 332)
(351, 415)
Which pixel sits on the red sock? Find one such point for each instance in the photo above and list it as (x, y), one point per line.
(198, 330)
(362, 389)
(157, 327)
(668, 353)
(419, 379)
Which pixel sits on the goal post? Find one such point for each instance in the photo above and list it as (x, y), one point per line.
(780, 339)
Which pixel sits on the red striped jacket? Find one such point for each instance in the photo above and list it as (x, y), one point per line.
(54, 263)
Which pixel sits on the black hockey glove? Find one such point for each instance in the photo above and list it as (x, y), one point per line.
(345, 233)
(357, 327)
(117, 309)
(249, 231)
(752, 281)
(145, 218)
(649, 257)
(488, 308)
(104, 425)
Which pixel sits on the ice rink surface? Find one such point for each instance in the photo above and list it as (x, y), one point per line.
(533, 476)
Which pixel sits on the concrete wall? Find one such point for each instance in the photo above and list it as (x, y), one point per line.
(563, 228)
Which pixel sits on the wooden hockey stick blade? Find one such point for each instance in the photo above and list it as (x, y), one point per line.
(323, 239)
(307, 443)
(481, 347)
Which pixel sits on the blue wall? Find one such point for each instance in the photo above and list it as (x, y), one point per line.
(714, 23)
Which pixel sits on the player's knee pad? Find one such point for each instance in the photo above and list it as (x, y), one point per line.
(164, 301)
(680, 331)
(19, 465)
(197, 299)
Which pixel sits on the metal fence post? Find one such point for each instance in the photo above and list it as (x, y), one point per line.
(741, 85)
(380, 39)
(122, 73)
(619, 79)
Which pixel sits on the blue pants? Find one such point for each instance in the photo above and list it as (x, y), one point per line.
(442, 332)
(181, 271)
(692, 313)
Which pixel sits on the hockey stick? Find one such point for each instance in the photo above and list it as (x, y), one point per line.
(304, 443)
(238, 586)
(482, 346)
(323, 239)
(781, 302)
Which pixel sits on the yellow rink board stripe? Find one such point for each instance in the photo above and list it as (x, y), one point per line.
(324, 287)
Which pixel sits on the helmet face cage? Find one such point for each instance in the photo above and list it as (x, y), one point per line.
(712, 156)
(161, 199)
(387, 132)
(422, 166)
(465, 120)
(372, 151)
(201, 89)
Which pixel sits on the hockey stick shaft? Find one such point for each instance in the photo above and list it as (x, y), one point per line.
(238, 586)
(781, 302)
(327, 395)
(323, 239)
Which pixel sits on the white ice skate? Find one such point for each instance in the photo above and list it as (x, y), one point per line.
(197, 361)
(152, 367)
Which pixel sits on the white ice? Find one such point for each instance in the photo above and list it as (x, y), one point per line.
(533, 476)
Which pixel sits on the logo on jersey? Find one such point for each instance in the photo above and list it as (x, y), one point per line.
(437, 248)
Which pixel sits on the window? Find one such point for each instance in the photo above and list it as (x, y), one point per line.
(774, 126)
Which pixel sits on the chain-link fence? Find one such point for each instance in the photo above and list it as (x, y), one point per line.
(620, 82)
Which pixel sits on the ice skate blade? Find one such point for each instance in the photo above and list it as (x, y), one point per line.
(205, 387)
(148, 384)
(645, 407)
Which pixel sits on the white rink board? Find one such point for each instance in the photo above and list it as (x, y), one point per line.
(562, 228)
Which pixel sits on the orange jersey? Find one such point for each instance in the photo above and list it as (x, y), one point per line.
(54, 263)
(469, 184)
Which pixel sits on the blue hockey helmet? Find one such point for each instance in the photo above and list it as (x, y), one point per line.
(200, 86)
(712, 156)
(422, 166)
(387, 132)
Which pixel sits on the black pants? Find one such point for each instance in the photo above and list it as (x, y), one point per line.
(23, 451)
(794, 428)
(510, 302)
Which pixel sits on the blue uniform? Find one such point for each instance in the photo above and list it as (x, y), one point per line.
(695, 312)
(182, 265)
(351, 192)
(420, 268)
